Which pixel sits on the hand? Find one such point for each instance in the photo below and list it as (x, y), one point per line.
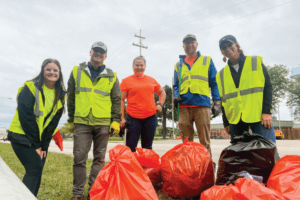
(122, 123)
(266, 120)
(216, 108)
(176, 101)
(114, 128)
(39, 152)
(158, 108)
(44, 154)
(71, 127)
(227, 130)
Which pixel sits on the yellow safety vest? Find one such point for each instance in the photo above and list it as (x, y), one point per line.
(39, 111)
(246, 101)
(89, 96)
(196, 79)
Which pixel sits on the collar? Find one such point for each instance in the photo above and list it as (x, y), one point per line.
(183, 56)
(241, 60)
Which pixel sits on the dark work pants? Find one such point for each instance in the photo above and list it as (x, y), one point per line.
(140, 127)
(84, 136)
(33, 166)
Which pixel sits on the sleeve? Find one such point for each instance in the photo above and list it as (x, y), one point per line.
(71, 98)
(212, 72)
(123, 85)
(176, 84)
(225, 121)
(267, 98)
(27, 118)
(157, 86)
(115, 96)
(49, 130)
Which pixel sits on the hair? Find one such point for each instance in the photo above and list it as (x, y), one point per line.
(239, 50)
(139, 58)
(59, 84)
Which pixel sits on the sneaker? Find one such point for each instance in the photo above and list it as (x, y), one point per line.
(77, 198)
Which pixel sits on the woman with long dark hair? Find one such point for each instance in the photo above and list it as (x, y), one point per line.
(245, 90)
(40, 107)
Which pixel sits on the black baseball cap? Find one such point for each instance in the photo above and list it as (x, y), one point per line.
(227, 38)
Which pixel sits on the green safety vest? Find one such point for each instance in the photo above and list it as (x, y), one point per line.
(95, 97)
(39, 111)
(196, 79)
(246, 101)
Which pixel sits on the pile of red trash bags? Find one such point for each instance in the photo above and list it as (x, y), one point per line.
(187, 170)
(150, 162)
(122, 179)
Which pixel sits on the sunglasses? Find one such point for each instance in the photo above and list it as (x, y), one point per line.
(54, 70)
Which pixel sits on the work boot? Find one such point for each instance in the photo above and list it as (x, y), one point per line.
(78, 198)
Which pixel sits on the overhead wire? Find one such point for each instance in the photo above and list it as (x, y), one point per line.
(227, 21)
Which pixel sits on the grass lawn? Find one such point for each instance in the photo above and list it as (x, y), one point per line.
(57, 179)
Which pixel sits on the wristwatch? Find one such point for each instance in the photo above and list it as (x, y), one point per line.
(160, 104)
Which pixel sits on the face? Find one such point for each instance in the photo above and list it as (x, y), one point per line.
(51, 72)
(230, 51)
(98, 55)
(139, 67)
(190, 47)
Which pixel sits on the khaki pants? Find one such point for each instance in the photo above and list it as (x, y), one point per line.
(201, 117)
(83, 137)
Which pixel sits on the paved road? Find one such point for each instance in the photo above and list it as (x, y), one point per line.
(285, 147)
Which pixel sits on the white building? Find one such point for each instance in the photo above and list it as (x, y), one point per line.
(3, 133)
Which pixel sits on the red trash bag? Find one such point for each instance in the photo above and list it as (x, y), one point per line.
(58, 139)
(285, 177)
(252, 190)
(122, 179)
(150, 162)
(187, 170)
(220, 192)
(243, 189)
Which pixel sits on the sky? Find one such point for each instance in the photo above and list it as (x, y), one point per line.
(32, 31)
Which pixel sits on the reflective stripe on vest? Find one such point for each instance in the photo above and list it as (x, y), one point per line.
(246, 99)
(37, 112)
(199, 71)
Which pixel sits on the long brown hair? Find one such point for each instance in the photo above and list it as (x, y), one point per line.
(59, 84)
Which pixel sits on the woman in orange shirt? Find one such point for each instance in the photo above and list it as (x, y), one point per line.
(141, 110)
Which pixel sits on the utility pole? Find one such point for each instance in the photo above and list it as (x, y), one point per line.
(140, 44)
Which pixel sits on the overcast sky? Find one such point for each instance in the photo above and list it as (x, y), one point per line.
(32, 31)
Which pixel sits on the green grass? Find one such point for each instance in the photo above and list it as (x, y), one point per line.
(57, 179)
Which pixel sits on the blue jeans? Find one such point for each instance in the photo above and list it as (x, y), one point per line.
(241, 127)
(140, 127)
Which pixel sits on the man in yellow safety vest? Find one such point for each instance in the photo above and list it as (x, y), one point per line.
(94, 100)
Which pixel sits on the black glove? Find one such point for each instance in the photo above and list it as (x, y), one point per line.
(216, 108)
(176, 101)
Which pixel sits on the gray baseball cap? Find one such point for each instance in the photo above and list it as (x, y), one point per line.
(100, 45)
(189, 36)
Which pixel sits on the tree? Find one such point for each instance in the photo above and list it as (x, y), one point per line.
(166, 113)
(293, 100)
(280, 83)
(64, 130)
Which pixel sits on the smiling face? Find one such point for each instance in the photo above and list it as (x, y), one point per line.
(230, 50)
(51, 72)
(190, 47)
(98, 56)
(139, 67)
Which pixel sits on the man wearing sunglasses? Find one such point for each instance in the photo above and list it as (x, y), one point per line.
(94, 100)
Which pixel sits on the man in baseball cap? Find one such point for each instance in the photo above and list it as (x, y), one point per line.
(94, 102)
(194, 77)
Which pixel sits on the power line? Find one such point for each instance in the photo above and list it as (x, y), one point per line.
(229, 21)
(140, 44)
(198, 18)
(188, 14)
